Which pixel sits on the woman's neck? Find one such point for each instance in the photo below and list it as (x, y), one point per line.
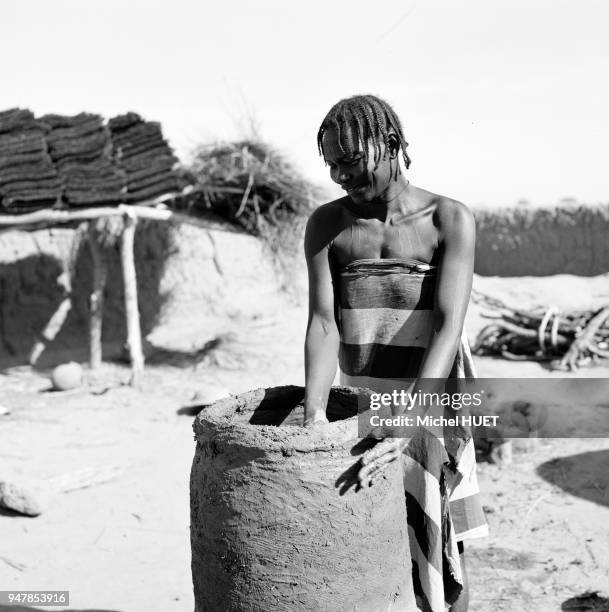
(394, 200)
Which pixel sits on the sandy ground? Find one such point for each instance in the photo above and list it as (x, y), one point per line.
(124, 545)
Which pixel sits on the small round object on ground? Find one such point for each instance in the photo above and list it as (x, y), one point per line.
(67, 376)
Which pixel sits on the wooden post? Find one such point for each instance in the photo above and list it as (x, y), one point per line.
(96, 299)
(132, 313)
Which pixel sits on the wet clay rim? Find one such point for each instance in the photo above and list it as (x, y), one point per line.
(219, 422)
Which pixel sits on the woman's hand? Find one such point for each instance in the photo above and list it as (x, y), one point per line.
(376, 460)
(315, 419)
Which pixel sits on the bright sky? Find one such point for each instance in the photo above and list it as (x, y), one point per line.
(500, 100)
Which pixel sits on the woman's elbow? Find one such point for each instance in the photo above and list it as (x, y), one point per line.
(447, 331)
(322, 325)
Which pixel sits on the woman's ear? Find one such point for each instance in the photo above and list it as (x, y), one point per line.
(393, 145)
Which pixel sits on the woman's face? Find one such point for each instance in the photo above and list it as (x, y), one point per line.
(349, 169)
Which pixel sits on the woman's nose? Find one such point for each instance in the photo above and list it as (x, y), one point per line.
(343, 177)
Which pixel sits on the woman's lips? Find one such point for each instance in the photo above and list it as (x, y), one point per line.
(354, 188)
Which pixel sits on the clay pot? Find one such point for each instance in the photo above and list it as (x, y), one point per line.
(67, 376)
(278, 522)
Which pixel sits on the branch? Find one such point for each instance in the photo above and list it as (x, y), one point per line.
(153, 209)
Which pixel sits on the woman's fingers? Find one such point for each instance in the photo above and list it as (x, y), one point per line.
(372, 468)
(377, 433)
(382, 432)
(378, 451)
(370, 476)
(315, 421)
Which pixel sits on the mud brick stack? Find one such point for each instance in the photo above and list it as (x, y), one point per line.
(81, 149)
(28, 178)
(141, 150)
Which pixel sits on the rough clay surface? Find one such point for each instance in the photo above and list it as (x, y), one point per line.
(277, 522)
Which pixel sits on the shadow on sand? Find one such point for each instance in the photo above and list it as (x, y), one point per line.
(584, 475)
(586, 602)
(158, 355)
(29, 295)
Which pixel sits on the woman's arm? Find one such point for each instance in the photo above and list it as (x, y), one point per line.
(453, 287)
(322, 339)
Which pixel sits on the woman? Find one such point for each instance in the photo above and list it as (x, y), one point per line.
(390, 273)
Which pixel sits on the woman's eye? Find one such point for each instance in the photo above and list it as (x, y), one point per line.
(345, 162)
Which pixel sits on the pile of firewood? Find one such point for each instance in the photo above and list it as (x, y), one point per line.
(567, 340)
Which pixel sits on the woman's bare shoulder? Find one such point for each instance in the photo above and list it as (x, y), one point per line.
(450, 209)
(448, 213)
(328, 216)
(328, 211)
(455, 220)
(324, 224)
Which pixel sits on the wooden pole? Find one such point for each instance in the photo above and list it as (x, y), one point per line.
(158, 212)
(96, 299)
(132, 313)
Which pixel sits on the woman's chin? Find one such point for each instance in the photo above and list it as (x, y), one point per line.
(359, 196)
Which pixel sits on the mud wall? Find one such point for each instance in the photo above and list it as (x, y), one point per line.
(194, 282)
(527, 241)
(30, 263)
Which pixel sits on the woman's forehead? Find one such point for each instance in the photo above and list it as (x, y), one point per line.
(336, 146)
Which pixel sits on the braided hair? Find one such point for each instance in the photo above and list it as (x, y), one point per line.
(367, 117)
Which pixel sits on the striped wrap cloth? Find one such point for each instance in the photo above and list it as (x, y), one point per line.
(385, 314)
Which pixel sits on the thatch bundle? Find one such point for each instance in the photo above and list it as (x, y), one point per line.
(81, 150)
(143, 153)
(28, 178)
(82, 160)
(250, 184)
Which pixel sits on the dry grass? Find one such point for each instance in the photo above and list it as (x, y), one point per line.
(254, 186)
(250, 184)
